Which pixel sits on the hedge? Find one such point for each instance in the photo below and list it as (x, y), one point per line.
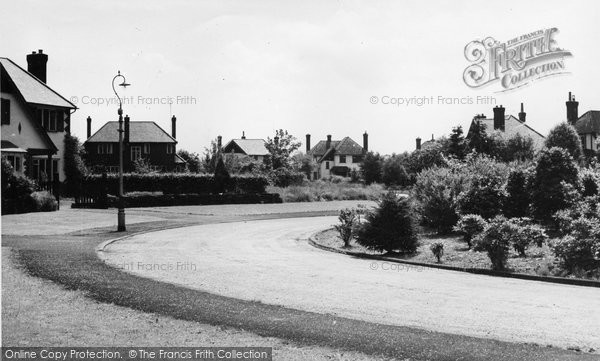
(171, 183)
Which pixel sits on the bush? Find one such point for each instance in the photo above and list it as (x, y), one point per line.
(565, 136)
(16, 191)
(284, 177)
(495, 240)
(437, 249)
(370, 168)
(576, 253)
(470, 225)
(326, 191)
(394, 173)
(44, 201)
(526, 234)
(347, 220)
(390, 226)
(555, 182)
(518, 197)
(222, 178)
(74, 166)
(590, 180)
(484, 195)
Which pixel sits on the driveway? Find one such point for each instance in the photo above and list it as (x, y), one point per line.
(271, 262)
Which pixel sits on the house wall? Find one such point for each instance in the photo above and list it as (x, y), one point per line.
(158, 156)
(29, 137)
(324, 172)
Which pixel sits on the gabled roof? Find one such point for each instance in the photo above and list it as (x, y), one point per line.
(248, 146)
(7, 146)
(512, 127)
(32, 89)
(346, 146)
(589, 122)
(139, 132)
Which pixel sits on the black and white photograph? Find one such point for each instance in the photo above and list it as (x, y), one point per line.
(330, 180)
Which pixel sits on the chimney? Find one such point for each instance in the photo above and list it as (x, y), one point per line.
(36, 64)
(418, 143)
(522, 114)
(572, 112)
(307, 143)
(89, 127)
(499, 118)
(366, 142)
(126, 137)
(174, 127)
(328, 143)
(219, 141)
(243, 134)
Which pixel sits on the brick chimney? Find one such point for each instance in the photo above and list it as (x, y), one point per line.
(418, 143)
(126, 137)
(89, 127)
(174, 127)
(366, 142)
(499, 118)
(328, 142)
(219, 142)
(572, 111)
(36, 64)
(522, 114)
(307, 143)
(243, 134)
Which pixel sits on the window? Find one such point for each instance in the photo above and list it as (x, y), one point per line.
(326, 165)
(5, 105)
(255, 157)
(170, 148)
(105, 148)
(53, 126)
(46, 120)
(136, 152)
(146, 148)
(342, 159)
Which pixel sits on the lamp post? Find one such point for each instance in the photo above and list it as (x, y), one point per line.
(121, 212)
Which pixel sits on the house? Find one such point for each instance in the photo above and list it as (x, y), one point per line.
(587, 125)
(509, 125)
(253, 148)
(337, 157)
(141, 139)
(35, 119)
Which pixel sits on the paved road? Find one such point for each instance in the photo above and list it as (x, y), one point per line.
(270, 261)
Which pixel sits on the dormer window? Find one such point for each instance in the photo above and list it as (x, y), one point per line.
(50, 119)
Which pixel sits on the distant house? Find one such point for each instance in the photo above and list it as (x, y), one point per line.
(337, 157)
(35, 119)
(142, 139)
(253, 148)
(509, 125)
(587, 125)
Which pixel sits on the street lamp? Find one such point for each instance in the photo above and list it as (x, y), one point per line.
(121, 213)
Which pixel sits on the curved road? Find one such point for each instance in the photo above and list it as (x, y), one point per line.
(270, 261)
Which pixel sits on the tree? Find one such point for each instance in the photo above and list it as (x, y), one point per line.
(281, 148)
(209, 161)
(429, 156)
(484, 195)
(222, 178)
(370, 168)
(74, 167)
(394, 173)
(555, 183)
(390, 226)
(192, 160)
(518, 197)
(456, 144)
(519, 148)
(565, 136)
(479, 141)
(304, 164)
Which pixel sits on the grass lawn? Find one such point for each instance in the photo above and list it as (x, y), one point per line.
(539, 261)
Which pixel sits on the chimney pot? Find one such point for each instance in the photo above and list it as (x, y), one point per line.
(418, 143)
(365, 142)
(522, 114)
(572, 110)
(499, 118)
(36, 65)
(328, 143)
(219, 142)
(174, 127)
(307, 143)
(89, 127)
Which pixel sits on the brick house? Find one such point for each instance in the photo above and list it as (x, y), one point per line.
(587, 125)
(337, 157)
(35, 119)
(253, 148)
(142, 139)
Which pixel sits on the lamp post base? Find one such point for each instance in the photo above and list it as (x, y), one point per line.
(121, 220)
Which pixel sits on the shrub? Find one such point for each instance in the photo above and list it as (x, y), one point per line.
(526, 234)
(590, 180)
(431, 155)
(576, 253)
(484, 195)
(44, 201)
(16, 191)
(347, 220)
(222, 177)
(517, 199)
(437, 249)
(390, 226)
(370, 168)
(394, 173)
(74, 166)
(470, 225)
(284, 177)
(495, 240)
(565, 136)
(555, 182)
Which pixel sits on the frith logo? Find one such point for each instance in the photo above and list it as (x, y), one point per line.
(514, 63)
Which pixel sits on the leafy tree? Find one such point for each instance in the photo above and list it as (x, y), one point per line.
(370, 168)
(518, 196)
(479, 141)
(519, 148)
(394, 173)
(74, 167)
(390, 226)
(304, 163)
(222, 177)
(565, 136)
(192, 160)
(484, 195)
(457, 146)
(429, 156)
(211, 157)
(555, 183)
(281, 148)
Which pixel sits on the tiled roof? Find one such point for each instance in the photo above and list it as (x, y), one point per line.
(11, 147)
(346, 146)
(589, 122)
(31, 88)
(512, 126)
(249, 146)
(139, 132)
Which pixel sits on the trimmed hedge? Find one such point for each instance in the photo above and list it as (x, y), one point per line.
(166, 200)
(172, 183)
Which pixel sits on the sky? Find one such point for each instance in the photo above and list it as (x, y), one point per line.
(313, 67)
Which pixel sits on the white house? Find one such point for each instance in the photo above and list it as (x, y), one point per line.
(337, 157)
(35, 119)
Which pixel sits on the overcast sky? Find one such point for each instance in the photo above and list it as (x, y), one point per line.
(308, 67)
